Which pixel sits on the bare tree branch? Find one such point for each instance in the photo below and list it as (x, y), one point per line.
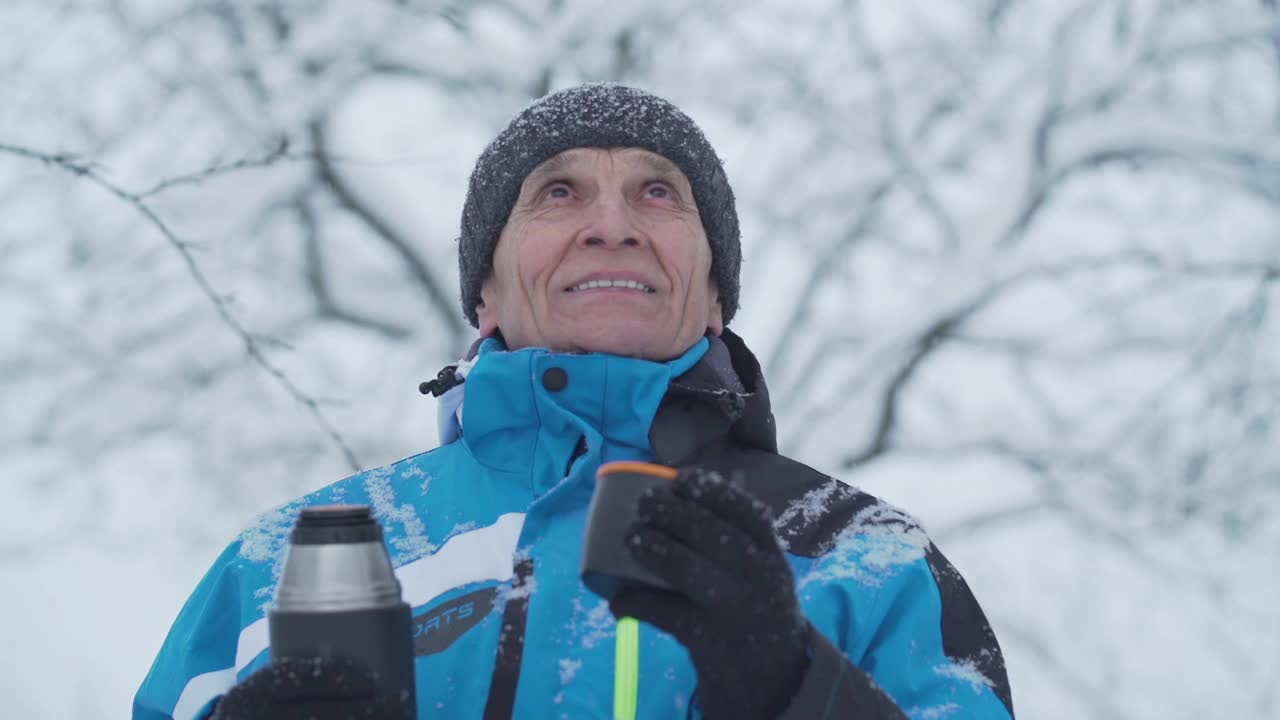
(823, 268)
(988, 520)
(440, 302)
(277, 153)
(1068, 677)
(1261, 172)
(1038, 186)
(1046, 466)
(887, 114)
(318, 280)
(1213, 343)
(887, 420)
(252, 346)
(933, 336)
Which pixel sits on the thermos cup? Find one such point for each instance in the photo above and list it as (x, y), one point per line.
(607, 565)
(339, 597)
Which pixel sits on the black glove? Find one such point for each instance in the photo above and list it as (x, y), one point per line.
(310, 689)
(735, 606)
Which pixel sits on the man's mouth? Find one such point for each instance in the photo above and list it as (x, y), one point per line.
(625, 284)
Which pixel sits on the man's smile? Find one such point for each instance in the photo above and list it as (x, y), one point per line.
(615, 281)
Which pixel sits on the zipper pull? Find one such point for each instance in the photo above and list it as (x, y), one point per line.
(445, 379)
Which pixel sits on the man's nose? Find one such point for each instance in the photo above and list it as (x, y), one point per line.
(612, 224)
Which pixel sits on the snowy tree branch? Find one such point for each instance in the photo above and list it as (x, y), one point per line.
(891, 143)
(277, 153)
(934, 335)
(442, 303)
(1071, 679)
(987, 520)
(317, 276)
(252, 345)
(1260, 171)
(822, 269)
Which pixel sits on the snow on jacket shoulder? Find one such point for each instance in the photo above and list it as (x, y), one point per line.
(485, 533)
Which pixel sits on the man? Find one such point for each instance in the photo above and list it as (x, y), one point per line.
(599, 259)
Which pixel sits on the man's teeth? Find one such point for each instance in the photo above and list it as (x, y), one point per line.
(593, 284)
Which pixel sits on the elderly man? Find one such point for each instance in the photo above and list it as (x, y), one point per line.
(599, 259)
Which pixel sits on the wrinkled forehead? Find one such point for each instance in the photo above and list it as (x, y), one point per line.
(582, 159)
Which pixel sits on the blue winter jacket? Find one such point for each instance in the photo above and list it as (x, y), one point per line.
(485, 532)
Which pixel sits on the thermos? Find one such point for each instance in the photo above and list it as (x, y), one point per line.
(607, 565)
(338, 597)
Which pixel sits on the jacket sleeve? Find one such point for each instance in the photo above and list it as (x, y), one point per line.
(197, 661)
(925, 650)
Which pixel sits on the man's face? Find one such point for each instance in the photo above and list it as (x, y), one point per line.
(604, 251)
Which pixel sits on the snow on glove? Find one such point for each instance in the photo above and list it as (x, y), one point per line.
(320, 688)
(734, 607)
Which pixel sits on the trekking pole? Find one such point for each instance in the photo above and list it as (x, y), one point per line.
(607, 565)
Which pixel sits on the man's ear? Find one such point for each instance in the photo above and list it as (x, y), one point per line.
(715, 312)
(487, 309)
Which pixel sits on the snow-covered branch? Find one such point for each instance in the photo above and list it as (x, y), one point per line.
(253, 345)
(442, 303)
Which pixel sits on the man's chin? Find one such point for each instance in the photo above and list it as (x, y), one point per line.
(626, 341)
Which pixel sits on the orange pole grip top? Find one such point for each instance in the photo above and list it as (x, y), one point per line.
(640, 468)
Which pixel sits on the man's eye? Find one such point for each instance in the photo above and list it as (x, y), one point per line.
(559, 191)
(660, 191)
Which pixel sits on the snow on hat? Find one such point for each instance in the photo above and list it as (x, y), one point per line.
(603, 115)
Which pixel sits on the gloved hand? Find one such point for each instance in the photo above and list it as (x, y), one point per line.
(734, 608)
(310, 689)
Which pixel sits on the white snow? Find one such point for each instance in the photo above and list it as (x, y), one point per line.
(591, 625)
(523, 590)
(936, 712)
(569, 667)
(880, 539)
(811, 506)
(411, 541)
(265, 542)
(964, 671)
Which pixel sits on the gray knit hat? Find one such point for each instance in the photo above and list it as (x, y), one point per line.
(601, 115)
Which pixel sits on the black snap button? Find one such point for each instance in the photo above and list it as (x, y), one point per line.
(555, 379)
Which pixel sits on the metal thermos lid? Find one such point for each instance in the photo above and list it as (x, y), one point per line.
(336, 562)
(335, 524)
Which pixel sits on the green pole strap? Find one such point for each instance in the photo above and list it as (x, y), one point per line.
(626, 670)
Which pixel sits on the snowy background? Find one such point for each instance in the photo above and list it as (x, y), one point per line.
(1012, 264)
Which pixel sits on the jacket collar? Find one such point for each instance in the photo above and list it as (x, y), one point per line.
(722, 400)
(530, 406)
(715, 393)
